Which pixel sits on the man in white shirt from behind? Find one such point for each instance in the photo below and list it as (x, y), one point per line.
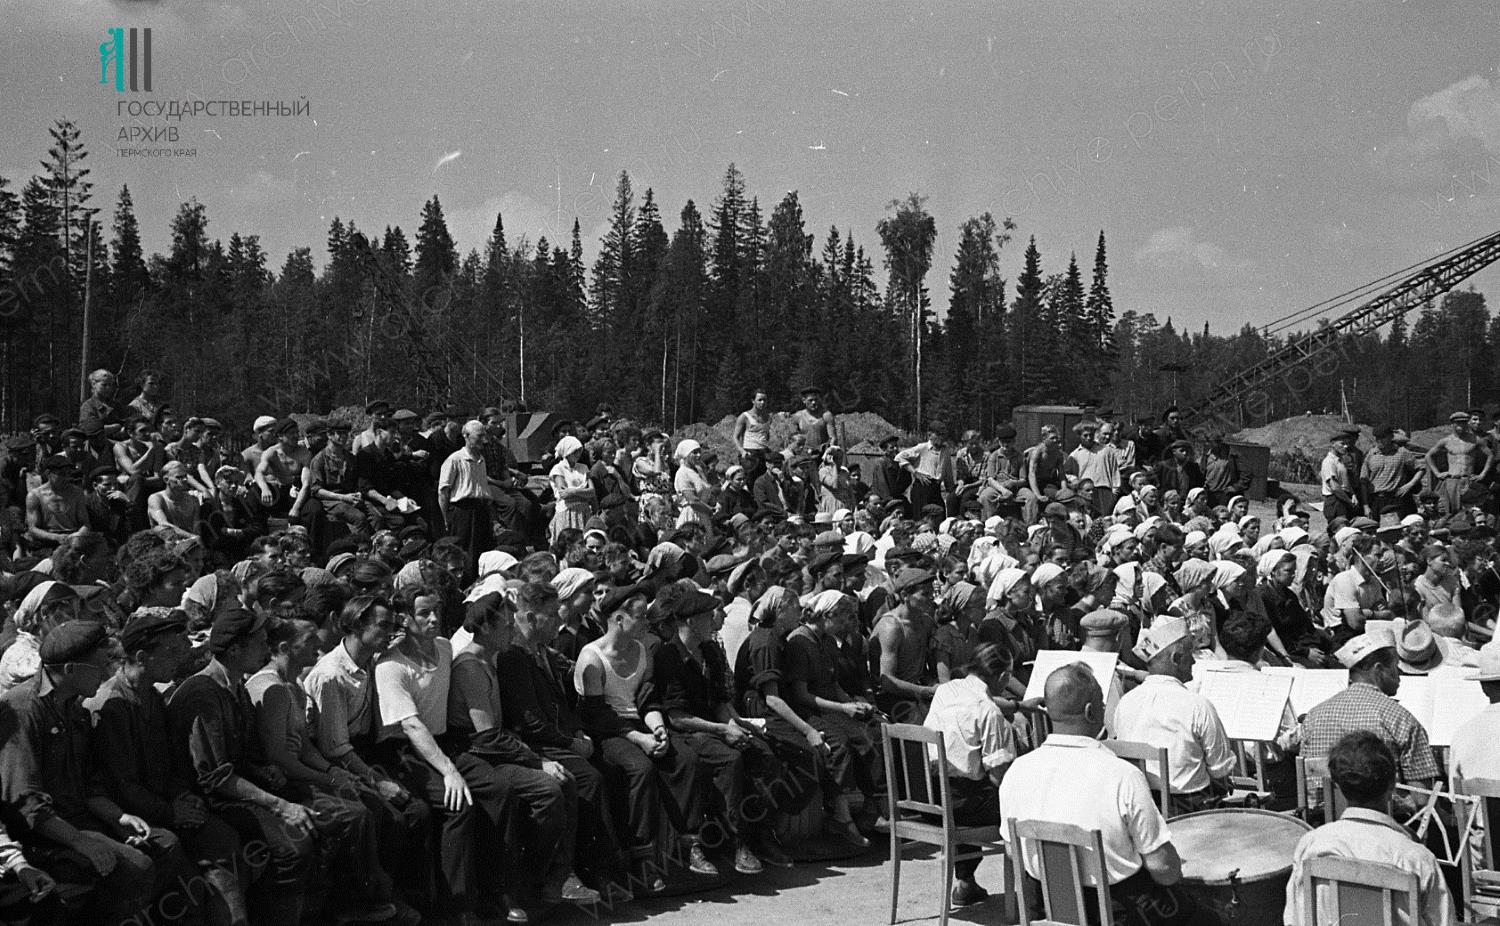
(979, 745)
(1073, 778)
(1363, 768)
(1163, 712)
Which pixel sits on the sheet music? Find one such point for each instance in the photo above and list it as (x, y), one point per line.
(1050, 660)
(1311, 687)
(1250, 704)
(1442, 702)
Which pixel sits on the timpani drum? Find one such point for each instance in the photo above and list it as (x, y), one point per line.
(1237, 863)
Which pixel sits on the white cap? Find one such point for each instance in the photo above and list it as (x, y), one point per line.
(1163, 633)
(264, 421)
(1353, 653)
(1413, 520)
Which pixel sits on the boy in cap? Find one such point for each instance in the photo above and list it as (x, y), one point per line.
(1004, 472)
(50, 790)
(379, 430)
(889, 479)
(264, 429)
(210, 712)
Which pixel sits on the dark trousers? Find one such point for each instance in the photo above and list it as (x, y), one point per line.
(651, 786)
(803, 772)
(462, 834)
(853, 753)
(128, 890)
(469, 521)
(348, 838)
(1381, 502)
(741, 776)
(286, 857)
(976, 802)
(552, 808)
(596, 850)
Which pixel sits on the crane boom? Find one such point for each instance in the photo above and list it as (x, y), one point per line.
(1424, 285)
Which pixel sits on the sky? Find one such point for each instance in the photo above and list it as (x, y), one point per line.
(1244, 160)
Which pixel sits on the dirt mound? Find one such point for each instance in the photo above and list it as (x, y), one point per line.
(1307, 433)
(853, 428)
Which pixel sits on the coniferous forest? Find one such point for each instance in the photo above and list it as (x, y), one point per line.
(677, 319)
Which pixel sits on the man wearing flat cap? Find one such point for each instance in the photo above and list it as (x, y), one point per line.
(899, 645)
(379, 429)
(142, 762)
(1457, 462)
(1369, 703)
(1163, 712)
(53, 799)
(211, 712)
(1004, 472)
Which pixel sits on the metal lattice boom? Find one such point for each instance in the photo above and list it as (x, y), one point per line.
(1421, 287)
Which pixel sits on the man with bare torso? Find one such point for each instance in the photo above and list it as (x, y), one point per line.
(1044, 469)
(1468, 461)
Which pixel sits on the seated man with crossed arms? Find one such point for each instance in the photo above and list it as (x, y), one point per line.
(1073, 778)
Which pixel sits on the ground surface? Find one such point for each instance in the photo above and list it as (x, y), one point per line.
(850, 892)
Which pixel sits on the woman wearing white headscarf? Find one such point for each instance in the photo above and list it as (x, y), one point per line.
(571, 487)
(44, 607)
(1139, 592)
(690, 484)
(1295, 633)
(1011, 619)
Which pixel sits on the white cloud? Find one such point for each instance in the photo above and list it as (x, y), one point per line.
(1178, 248)
(1448, 133)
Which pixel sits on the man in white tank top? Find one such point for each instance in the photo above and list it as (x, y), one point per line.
(660, 769)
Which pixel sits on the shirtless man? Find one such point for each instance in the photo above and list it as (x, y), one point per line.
(1468, 462)
(899, 647)
(176, 506)
(278, 475)
(1044, 468)
(814, 421)
(58, 508)
(752, 434)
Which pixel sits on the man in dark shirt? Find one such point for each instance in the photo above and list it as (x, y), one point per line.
(141, 763)
(889, 479)
(692, 678)
(1179, 470)
(333, 480)
(211, 712)
(54, 799)
(534, 695)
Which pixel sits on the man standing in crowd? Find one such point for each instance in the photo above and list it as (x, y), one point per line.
(1467, 462)
(1339, 497)
(1390, 475)
(930, 464)
(464, 495)
(1097, 463)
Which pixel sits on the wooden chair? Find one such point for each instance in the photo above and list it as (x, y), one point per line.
(1152, 761)
(1481, 879)
(914, 757)
(1066, 856)
(1358, 892)
(1331, 801)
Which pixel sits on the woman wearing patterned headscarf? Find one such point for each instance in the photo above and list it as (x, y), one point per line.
(1011, 620)
(1197, 606)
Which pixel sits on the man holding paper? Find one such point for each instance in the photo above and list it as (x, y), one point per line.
(1163, 712)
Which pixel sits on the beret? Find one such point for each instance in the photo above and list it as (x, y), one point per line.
(149, 623)
(232, 625)
(71, 641)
